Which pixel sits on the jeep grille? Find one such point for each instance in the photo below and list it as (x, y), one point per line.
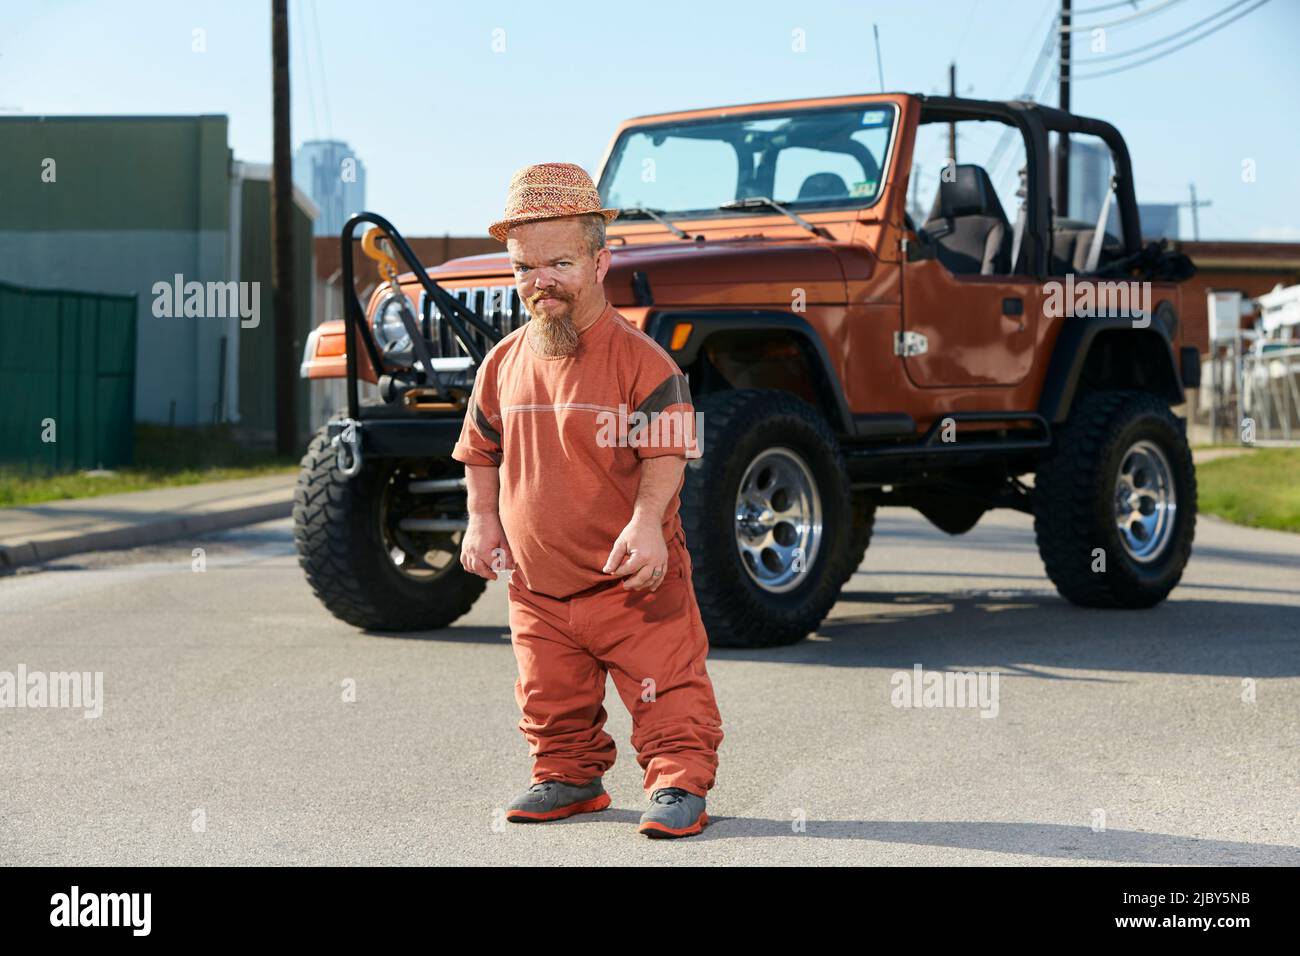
(497, 305)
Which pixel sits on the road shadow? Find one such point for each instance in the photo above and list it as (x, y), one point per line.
(1280, 559)
(1028, 630)
(1041, 582)
(1018, 630)
(455, 634)
(1044, 840)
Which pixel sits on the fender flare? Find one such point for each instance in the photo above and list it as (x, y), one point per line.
(1073, 345)
(660, 324)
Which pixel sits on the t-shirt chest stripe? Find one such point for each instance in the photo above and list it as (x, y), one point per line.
(581, 406)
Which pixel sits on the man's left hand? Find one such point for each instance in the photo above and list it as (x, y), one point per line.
(638, 553)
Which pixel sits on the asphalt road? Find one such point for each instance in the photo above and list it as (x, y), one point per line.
(224, 738)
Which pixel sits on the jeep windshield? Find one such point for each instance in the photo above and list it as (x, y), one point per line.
(803, 159)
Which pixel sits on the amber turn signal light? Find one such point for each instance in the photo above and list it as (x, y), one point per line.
(330, 345)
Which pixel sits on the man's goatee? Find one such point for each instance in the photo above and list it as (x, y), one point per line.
(554, 337)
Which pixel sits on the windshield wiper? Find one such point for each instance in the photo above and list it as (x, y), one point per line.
(763, 202)
(655, 215)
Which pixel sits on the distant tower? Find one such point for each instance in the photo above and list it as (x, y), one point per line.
(1159, 220)
(331, 174)
(1090, 168)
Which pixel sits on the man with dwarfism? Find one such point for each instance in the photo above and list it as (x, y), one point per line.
(586, 519)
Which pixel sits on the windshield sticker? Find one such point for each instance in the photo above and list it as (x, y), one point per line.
(875, 118)
(865, 188)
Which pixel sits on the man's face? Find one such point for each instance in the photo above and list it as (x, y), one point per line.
(558, 278)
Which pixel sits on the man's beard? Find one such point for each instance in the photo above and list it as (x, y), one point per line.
(554, 335)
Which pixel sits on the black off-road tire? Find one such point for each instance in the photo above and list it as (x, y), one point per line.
(1075, 492)
(737, 426)
(336, 524)
(864, 522)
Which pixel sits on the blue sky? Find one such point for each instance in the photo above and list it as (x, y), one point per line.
(441, 120)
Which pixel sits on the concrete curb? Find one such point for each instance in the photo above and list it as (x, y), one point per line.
(1202, 455)
(133, 536)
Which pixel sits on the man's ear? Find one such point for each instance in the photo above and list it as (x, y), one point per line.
(603, 259)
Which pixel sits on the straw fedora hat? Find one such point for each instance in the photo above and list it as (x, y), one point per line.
(549, 191)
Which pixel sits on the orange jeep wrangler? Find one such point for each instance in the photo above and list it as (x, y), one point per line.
(846, 352)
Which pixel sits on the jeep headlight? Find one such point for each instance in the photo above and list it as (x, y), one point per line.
(390, 333)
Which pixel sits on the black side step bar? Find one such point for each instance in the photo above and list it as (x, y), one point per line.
(931, 442)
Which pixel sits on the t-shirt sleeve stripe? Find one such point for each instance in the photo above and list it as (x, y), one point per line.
(484, 426)
(667, 413)
(479, 443)
(671, 391)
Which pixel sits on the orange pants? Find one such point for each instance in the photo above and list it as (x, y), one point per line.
(654, 644)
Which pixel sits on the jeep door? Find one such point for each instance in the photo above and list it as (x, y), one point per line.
(970, 314)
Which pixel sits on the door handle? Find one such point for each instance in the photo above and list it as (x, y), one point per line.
(1014, 307)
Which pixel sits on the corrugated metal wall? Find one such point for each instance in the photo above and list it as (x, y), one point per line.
(66, 358)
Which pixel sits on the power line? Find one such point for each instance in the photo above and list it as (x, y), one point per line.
(1044, 60)
(1076, 27)
(320, 63)
(1051, 29)
(306, 71)
(1104, 7)
(1032, 90)
(1163, 40)
(970, 17)
(1174, 49)
(1233, 223)
(1011, 134)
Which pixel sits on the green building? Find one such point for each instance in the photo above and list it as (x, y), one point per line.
(155, 207)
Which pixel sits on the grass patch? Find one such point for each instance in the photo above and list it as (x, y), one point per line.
(164, 458)
(1260, 489)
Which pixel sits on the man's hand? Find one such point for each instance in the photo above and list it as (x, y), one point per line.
(484, 550)
(640, 550)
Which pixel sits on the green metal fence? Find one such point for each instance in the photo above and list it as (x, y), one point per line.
(67, 379)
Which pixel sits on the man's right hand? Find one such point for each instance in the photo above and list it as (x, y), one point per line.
(484, 550)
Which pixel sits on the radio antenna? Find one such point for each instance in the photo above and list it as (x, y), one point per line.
(880, 66)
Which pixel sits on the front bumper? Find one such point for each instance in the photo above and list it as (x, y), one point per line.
(406, 436)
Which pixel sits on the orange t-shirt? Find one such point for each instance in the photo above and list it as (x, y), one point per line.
(568, 434)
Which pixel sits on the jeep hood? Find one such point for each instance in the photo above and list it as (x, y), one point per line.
(689, 272)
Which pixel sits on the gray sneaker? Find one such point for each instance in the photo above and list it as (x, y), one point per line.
(555, 800)
(673, 812)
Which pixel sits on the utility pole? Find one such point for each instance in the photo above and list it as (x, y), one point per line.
(952, 126)
(282, 297)
(1194, 205)
(1063, 139)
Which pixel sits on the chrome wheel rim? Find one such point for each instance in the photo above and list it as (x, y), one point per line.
(417, 556)
(1146, 501)
(778, 520)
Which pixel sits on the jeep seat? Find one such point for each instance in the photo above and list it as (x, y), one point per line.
(1071, 242)
(968, 224)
